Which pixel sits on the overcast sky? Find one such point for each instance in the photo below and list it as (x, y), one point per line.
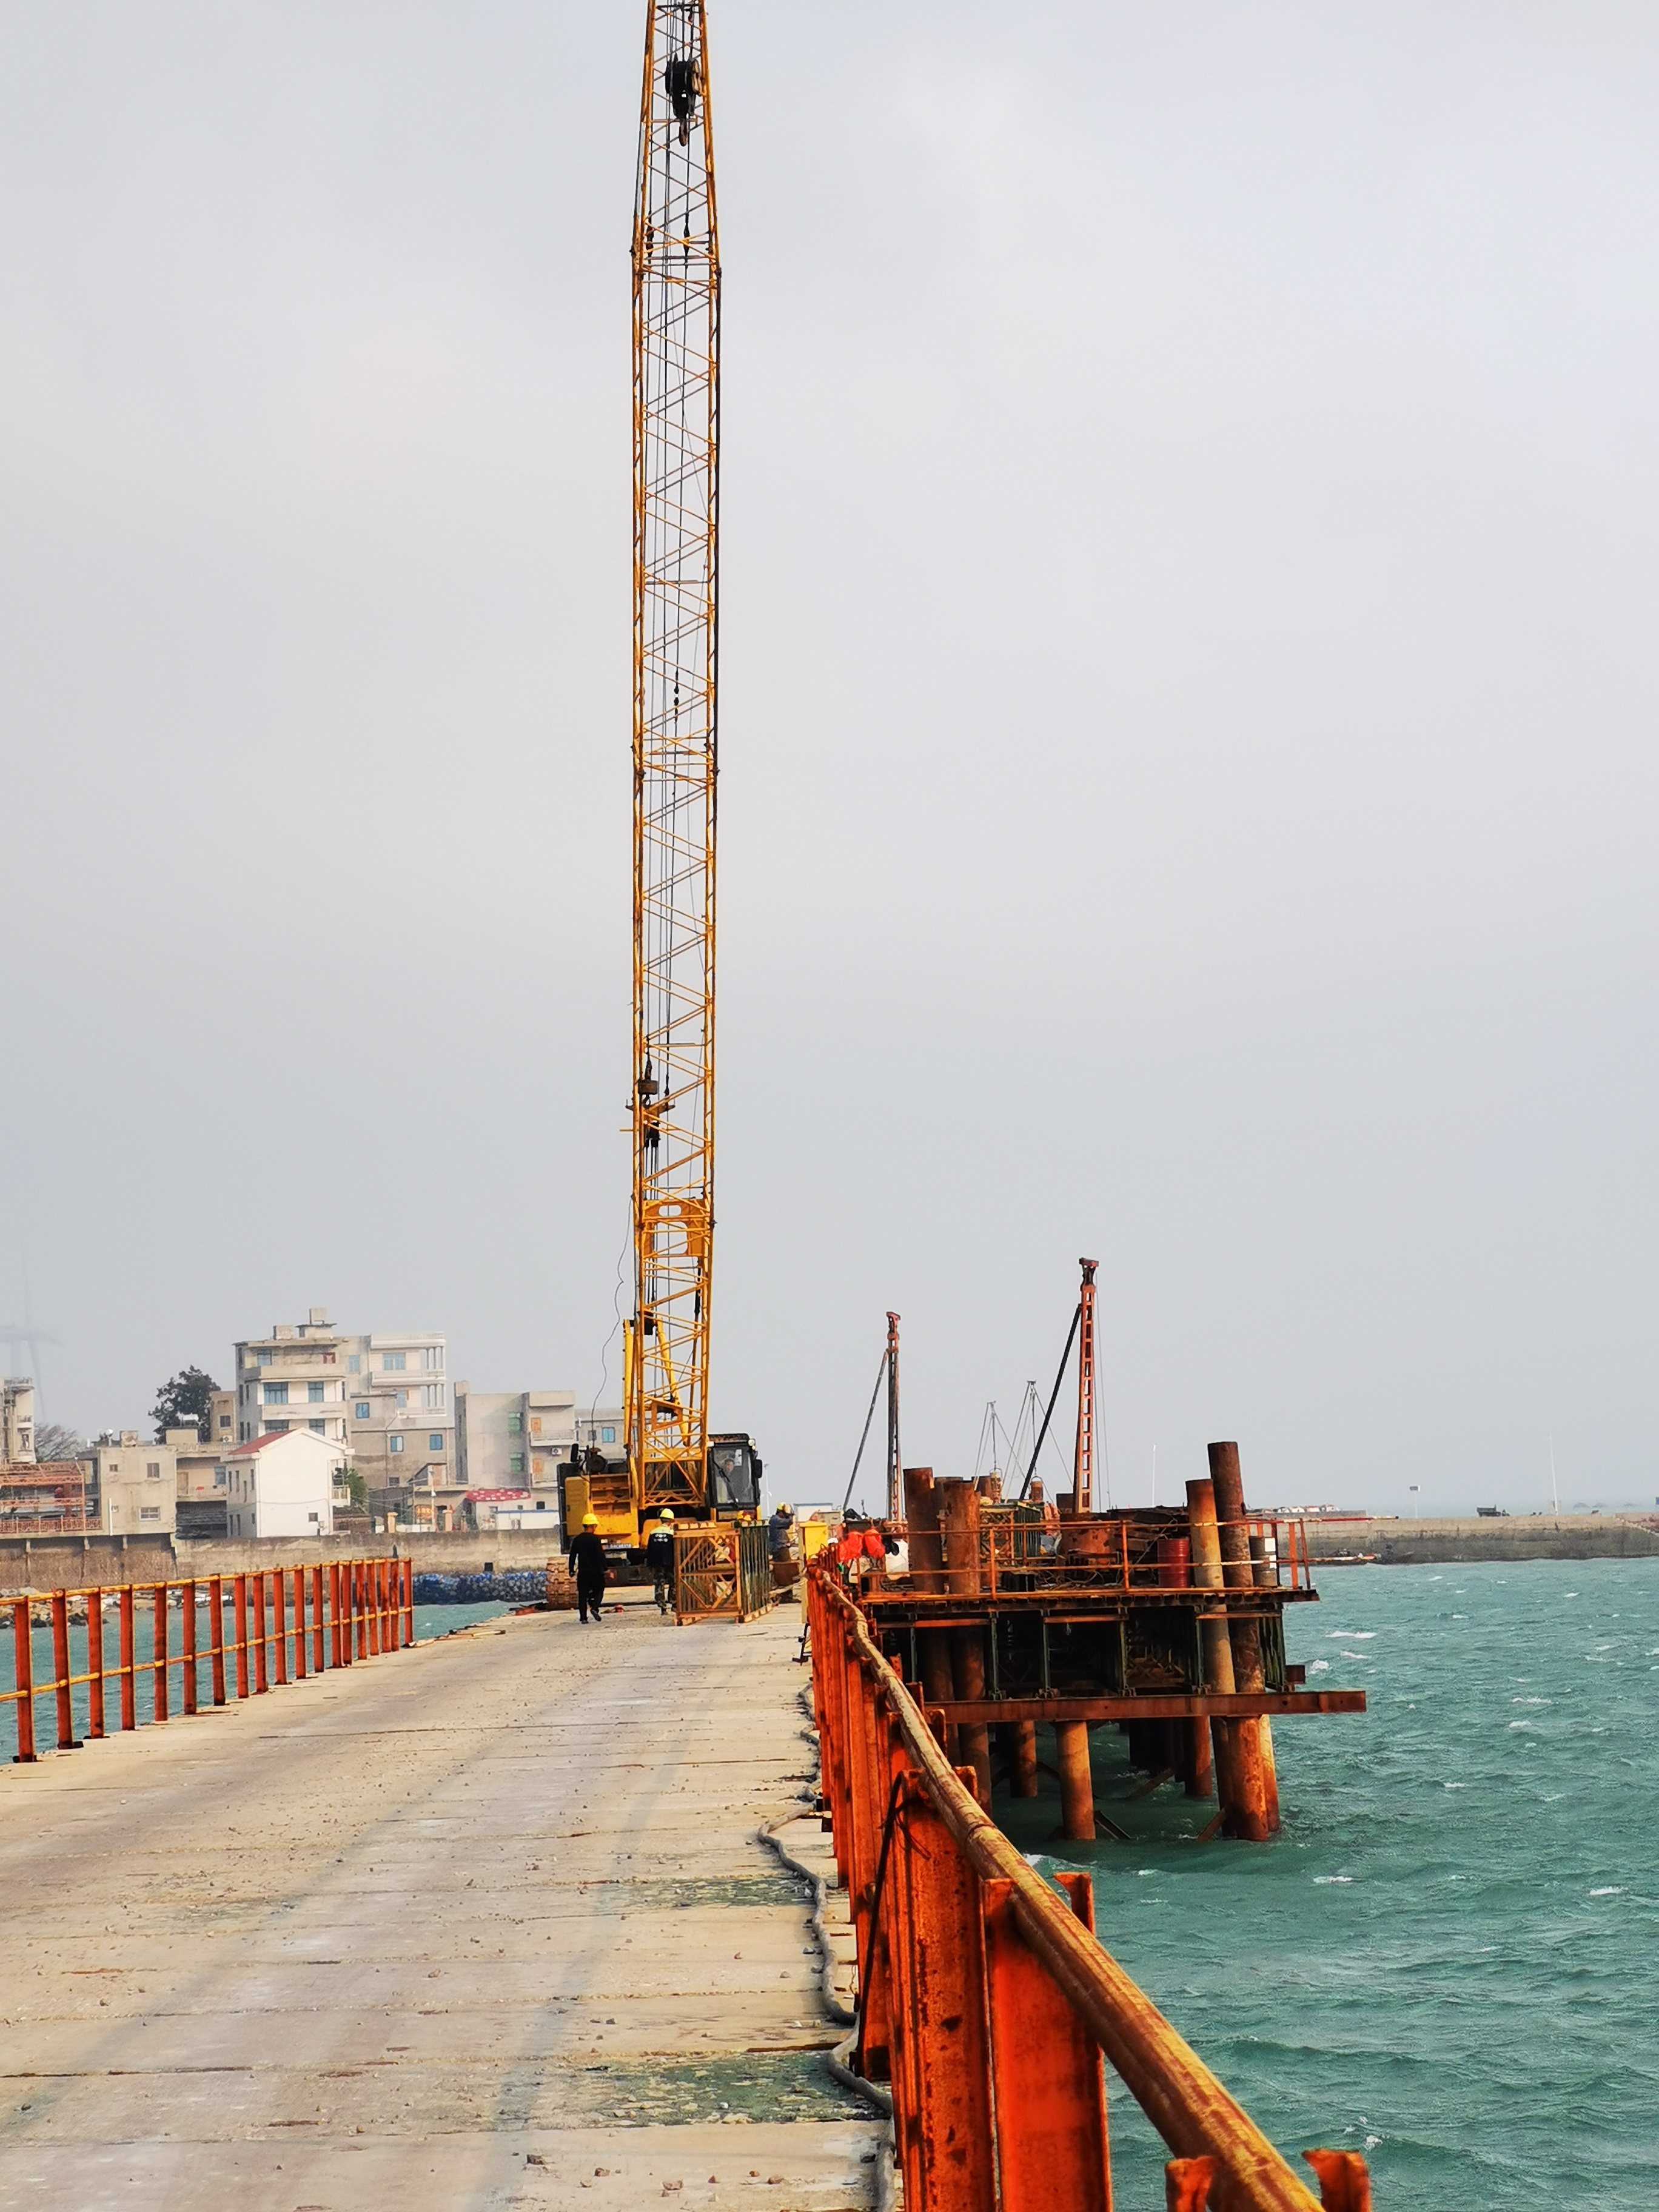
(1187, 731)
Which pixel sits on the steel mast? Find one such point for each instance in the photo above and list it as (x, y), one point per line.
(676, 507)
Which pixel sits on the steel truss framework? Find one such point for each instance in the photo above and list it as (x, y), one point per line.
(675, 510)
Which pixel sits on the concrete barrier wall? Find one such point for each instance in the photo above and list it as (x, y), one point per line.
(1529, 1536)
(446, 1551)
(46, 1562)
(106, 1562)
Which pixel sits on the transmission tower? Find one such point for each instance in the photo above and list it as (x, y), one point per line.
(677, 286)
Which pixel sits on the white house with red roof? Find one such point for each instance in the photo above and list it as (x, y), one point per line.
(281, 1485)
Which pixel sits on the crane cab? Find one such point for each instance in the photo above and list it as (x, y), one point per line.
(734, 1476)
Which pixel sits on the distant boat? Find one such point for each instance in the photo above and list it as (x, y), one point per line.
(1493, 1512)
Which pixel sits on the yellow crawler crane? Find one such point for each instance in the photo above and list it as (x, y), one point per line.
(671, 1458)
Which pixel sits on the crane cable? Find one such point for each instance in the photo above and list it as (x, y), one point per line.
(1053, 1395)
(864, 1438)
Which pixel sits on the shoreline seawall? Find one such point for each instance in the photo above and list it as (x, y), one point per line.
(46, 1563)
(1527, 1536)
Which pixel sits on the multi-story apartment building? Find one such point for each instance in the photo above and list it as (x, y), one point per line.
(519, 1440)
(16, 1421)
(136, 1484)
(222, 1420)
(294, 1378)
(385, 1398)
(401, 1425)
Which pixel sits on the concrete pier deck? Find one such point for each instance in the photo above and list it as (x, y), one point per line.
(483, 1924)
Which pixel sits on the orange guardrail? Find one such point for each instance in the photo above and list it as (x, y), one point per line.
(357, 1609)
(985, 2002)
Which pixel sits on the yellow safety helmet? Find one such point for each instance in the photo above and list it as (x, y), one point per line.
(667, 1514)
(785, 1507)
(590, 1520)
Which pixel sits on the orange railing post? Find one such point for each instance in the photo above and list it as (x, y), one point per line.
(95, 1662)
(23, 1658)
(360, 1580)
(158, 1657)
(1344, 2182)
(128, 1647)
(318, 1621)
(409, 1600)
(60, 1670)
(298, 1624)
(945, 1977)
(375, 1577)
(334, 1655)
(1050, 2086)
(217, 1634)
(261, 1676)
(279, 1625)
(187, 1623)
(238, 1590)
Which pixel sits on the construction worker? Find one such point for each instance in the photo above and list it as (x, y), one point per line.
(783, 1547)
(660, 1557)
(587, 1565)
(860, 1546)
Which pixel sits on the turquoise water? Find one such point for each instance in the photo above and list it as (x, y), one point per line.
(1450, 1958)
(430, 1620)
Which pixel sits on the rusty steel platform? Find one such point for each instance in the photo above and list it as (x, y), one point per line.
(1167, 1621)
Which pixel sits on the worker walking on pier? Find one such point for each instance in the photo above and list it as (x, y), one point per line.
(660, 1557)
(587, 1566)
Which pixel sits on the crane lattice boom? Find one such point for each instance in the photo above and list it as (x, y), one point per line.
(675, 454)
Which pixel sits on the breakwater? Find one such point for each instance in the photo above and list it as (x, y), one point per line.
(1517, 1538)
(513, 1586)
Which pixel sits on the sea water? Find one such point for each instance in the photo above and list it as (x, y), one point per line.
(1449, 1959)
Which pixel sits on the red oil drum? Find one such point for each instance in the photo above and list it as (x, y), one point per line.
(1175, 1562)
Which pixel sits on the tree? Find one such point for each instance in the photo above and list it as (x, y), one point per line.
(52, 1441)
(357, 1486)
(185, 1402)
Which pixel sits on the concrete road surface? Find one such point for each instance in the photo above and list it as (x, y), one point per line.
(483, 1924)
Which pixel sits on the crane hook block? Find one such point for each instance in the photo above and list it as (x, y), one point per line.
(679, 82)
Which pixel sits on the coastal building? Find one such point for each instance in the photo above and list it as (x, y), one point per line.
(221, 1420)
(294, 1379)
(281, 1485)
(134, 1484)
(400, 1423)
(43, 1498)
(16, 1421)
(384, 1396)
(511, 1442)
(199, 1483)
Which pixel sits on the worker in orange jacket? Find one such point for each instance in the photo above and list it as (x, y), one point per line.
(860, 1546)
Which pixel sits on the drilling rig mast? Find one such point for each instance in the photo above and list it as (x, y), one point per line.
(677, 292)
